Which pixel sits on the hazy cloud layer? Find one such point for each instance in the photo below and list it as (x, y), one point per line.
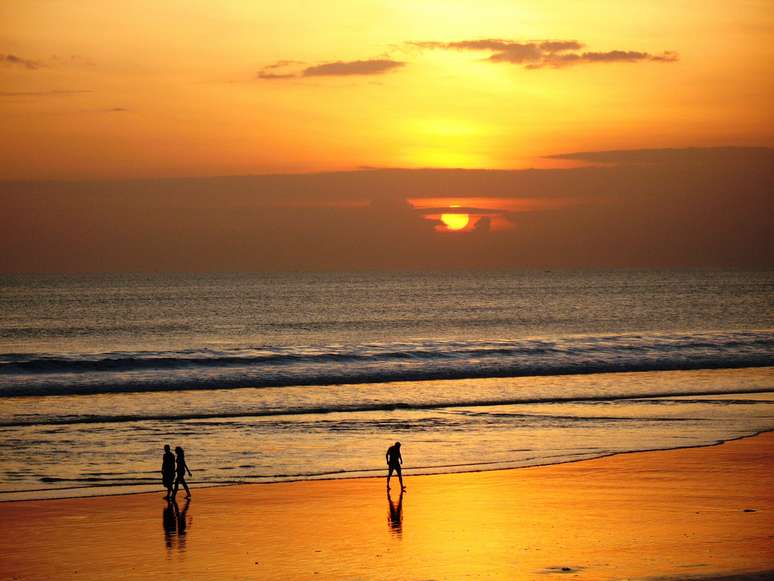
(643, 208)
(281, 70)
(545, 53)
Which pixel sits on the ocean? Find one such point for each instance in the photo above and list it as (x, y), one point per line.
(275, 377)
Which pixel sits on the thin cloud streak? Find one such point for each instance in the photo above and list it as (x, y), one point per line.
(332, 69)
(53, 93)
(613, 56)
(366, 67)
(500, 45)
(15, 60)
(545, 53)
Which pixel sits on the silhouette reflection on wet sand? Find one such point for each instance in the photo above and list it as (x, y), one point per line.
(175, 523)
(395, 516)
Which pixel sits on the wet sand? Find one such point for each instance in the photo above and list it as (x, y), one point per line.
(680, 514)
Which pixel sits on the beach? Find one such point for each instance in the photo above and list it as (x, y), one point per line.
(679, 514)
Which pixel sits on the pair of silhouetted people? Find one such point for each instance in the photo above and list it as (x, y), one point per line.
(394, 461)
(173, 470)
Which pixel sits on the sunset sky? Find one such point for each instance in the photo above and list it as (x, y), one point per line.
(91, 90)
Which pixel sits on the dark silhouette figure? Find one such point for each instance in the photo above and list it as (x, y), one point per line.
(395, 517)
(182, 468)
(394, 461)
(168, 470)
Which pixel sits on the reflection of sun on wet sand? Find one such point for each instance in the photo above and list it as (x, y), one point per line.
(681, 514)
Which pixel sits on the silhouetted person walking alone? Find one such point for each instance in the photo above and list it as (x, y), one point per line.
(394, 460)
(182, 468)
(168, 470)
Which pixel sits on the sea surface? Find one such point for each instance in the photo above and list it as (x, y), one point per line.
(274, 377)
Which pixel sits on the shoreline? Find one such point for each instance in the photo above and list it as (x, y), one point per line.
(695, 512)
(194, 486)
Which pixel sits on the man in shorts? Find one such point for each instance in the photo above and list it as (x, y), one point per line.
(394, 460)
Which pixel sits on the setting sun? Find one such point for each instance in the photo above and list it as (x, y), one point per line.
(455, 221)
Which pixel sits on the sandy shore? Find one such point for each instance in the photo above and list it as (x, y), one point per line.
(700, 512)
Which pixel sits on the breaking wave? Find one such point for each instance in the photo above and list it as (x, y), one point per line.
(38, 374)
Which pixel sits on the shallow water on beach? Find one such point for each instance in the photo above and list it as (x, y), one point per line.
(57, 448)
(283, 377)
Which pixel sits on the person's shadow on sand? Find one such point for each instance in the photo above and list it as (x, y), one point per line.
(395, 515)
(175, 522)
